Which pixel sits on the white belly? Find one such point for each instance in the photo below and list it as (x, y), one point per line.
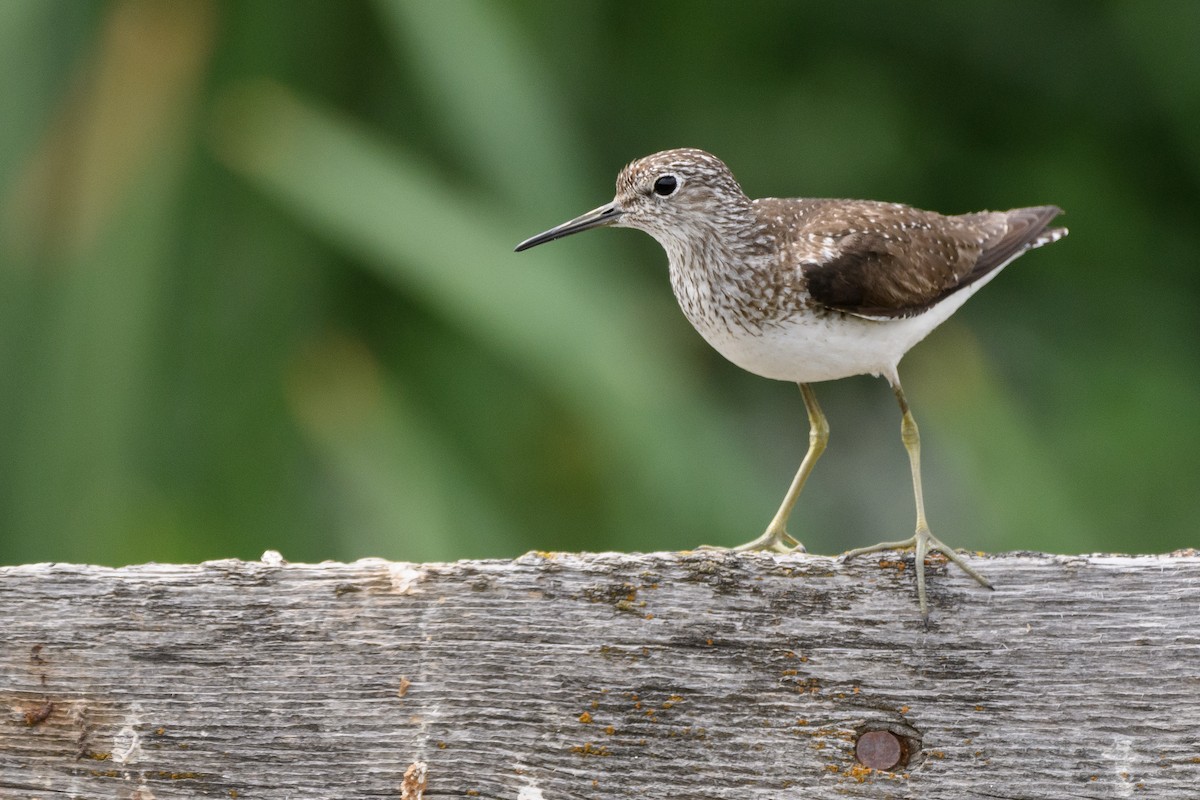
(809, 348)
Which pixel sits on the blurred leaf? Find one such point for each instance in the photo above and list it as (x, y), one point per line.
(448, 251)
(104, 224)
(1163, 36)
(402, 491)
(499, 107)
(185, 348)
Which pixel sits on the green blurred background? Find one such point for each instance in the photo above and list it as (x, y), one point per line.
(257, 287)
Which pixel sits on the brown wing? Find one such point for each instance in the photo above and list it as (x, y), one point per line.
(1026, 229)
(895, 261)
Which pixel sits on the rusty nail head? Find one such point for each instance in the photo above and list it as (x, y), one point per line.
(880, 750)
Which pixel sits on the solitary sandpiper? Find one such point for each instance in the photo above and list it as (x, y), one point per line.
(813, 290)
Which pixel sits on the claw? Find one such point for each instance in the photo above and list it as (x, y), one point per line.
(923, 542)
(775, 541)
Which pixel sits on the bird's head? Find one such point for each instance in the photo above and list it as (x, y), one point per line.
(673, 195)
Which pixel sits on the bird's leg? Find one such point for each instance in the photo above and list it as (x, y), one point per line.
(776, 536)
(923, 541)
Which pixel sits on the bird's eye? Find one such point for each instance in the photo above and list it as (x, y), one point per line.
(665, 185)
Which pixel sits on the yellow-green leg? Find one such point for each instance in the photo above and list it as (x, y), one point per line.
(776, 537)
(923, 541)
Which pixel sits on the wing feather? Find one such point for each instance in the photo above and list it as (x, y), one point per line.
(894, 261)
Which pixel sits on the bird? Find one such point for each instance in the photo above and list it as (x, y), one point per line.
(811, 290)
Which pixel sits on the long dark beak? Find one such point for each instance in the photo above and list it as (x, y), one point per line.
(596, 218)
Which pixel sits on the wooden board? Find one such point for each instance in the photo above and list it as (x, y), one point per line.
(669, 675)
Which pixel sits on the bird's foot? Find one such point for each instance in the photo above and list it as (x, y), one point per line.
(775, 540)
(923, 542)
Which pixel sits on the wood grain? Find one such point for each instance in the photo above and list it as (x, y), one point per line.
(670, 675)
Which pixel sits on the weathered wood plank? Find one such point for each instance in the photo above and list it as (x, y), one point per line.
(595, 676)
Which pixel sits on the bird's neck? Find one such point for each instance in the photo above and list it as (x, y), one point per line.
(719, 248)
(713, 270)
